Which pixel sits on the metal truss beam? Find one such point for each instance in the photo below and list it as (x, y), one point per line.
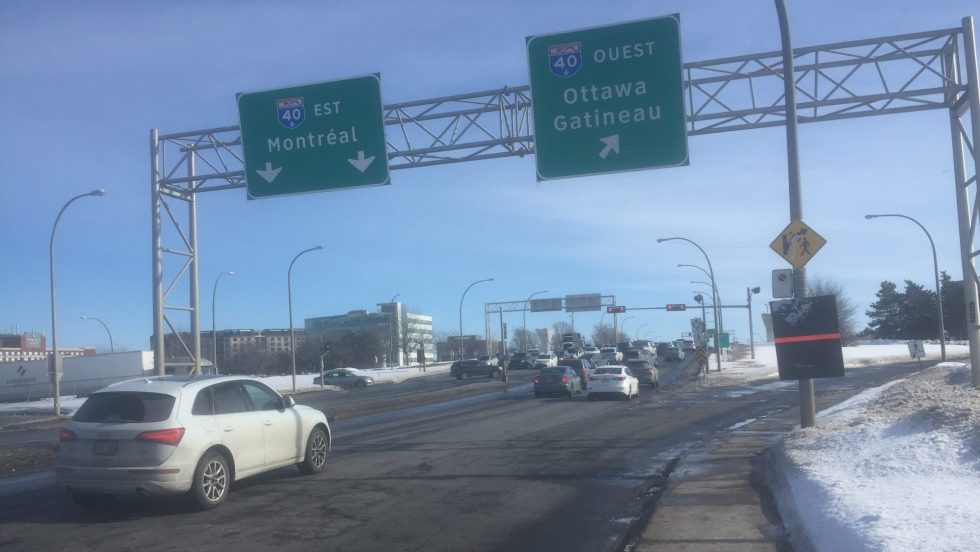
(844, 80)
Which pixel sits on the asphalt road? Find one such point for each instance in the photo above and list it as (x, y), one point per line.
(497, 471)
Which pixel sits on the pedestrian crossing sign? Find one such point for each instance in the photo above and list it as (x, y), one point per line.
(797, 243)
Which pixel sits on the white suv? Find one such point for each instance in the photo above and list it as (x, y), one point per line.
(171, 435)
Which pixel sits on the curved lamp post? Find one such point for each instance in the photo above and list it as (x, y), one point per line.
(289, 292)
(715, 296)
(461, 348)
(622, 325)
(711, 273)
(55, 366)
(638, 328)
(214, 334)
(524, 314)
(112, 348)
(935, 267)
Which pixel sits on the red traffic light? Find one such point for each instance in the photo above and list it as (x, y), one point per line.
(611, 310)
(676, 307)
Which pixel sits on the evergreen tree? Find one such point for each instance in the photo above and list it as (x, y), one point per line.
(919, 313)
(884, 314)
(954, 307)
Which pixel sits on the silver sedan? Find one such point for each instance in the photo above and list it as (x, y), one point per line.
(343, 377)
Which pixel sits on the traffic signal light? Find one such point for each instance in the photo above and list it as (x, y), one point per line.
(676, 307)
(611, 310)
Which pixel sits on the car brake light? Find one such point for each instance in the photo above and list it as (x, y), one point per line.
(621, 378)
(536, 380)
(564, 379)
(66, 435)
(162, 436)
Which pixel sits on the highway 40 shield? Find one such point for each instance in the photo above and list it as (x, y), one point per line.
(291, 112)
(565, 59)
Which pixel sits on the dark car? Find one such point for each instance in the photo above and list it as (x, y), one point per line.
(580, 366)
(473, 368)
(521, 361)
(557, 380)
(662, 348)
(645, 371)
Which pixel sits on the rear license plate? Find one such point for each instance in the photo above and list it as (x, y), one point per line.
(104, 448)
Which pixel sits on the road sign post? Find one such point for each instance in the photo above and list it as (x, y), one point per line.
(608, 99)
(314, 138)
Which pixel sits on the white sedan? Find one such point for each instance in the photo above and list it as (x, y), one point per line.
(185, 434)
(613, 380)
(612, 354)
(546, 359)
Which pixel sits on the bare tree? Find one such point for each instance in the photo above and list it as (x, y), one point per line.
(559, 327)
(522, 340)
(412, 336)
(846, 308)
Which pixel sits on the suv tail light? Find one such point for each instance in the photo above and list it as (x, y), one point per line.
(66, 435)
(536, 381)
(564, 379)
(162, 436)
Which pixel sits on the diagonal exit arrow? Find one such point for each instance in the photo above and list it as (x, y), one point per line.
(361, 163)
(269, 174)
(612, 145)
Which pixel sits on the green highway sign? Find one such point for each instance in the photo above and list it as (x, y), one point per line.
(608, 99)
(313, 138)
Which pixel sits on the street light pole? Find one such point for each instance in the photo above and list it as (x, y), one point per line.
(622, 326)
(935, 268)
(289, 292)
(524, 314)
(704, 315)
(638, 328)
(808, 409)
(112, 348)
(214, 331)
(715, 298)
(461, 348)
(54, 368)
(714, 286)
(749, 292)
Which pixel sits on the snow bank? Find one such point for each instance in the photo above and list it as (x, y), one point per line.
(864, 354)
(895, 468)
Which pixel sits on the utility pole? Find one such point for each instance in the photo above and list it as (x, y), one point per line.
(808, 410)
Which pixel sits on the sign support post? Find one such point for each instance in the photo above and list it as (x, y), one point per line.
(808, 413)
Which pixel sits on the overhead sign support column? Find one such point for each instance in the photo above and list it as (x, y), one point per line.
(608, 99)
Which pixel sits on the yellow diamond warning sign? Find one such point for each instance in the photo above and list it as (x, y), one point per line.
(797, 243)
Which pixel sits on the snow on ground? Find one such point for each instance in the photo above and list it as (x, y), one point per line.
(895, 468)
(868, 353)
(304, 382)
(283, 384)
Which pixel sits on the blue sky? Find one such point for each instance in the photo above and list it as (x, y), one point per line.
(84, 82)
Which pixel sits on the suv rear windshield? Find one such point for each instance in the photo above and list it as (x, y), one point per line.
(550, 370)
(125, 407)
(638, 364)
